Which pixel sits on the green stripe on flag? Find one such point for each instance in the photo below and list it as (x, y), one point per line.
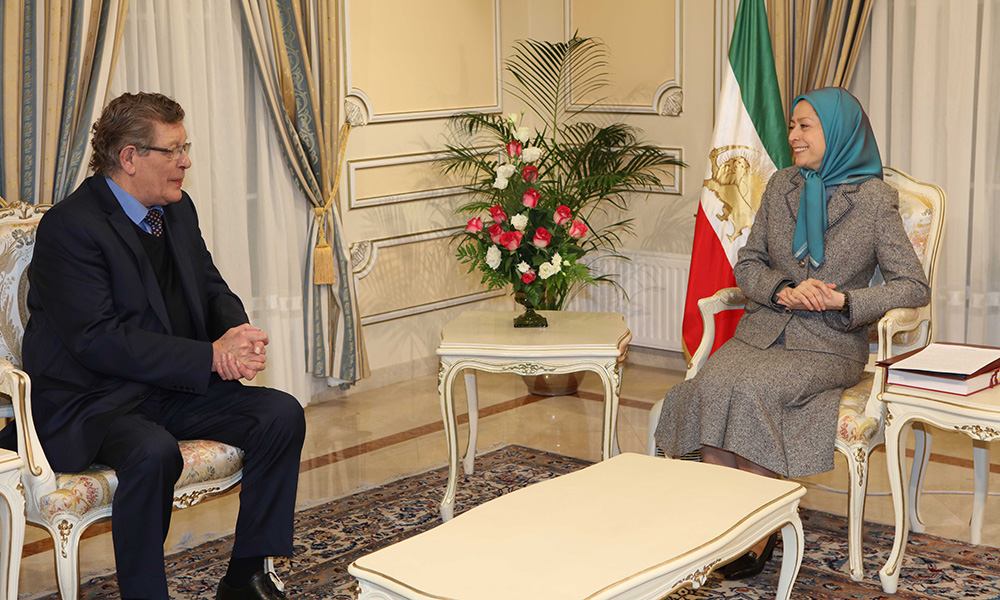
(752, 61)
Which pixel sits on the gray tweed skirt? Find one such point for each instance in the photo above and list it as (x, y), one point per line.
(775, 407)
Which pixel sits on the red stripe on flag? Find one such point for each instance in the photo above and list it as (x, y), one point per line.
(710, 272)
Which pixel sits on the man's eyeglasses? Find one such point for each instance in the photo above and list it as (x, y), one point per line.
(174, 153)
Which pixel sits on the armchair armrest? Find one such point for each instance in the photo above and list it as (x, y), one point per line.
(896, 321)
(902, 320)
(731, 298)
(38, 477)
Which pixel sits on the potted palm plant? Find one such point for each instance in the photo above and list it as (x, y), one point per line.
(549, 188)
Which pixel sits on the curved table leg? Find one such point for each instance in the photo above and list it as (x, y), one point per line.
(472, 393)
(611, 377)
(894, 431)
(981, 468)
(446, 377)
(792, 549)
(12, 536)
(921, 458)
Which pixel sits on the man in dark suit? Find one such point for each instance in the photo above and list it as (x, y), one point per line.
(135, 341)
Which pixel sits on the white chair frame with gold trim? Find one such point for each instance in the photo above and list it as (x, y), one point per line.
(861, 424)
(65, 504)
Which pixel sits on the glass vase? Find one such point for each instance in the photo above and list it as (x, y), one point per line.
(530, 318)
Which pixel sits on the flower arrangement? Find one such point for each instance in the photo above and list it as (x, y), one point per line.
(545, 198)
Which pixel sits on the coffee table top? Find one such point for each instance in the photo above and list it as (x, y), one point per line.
(576, 536)
(577, 333)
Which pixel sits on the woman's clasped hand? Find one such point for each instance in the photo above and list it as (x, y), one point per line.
(811, 294)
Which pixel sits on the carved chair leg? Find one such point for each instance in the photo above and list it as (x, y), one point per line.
(857, 463)
(66, 541)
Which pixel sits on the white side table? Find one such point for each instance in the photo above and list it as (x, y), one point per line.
(977, 416)
(488, 341)
(11, 523)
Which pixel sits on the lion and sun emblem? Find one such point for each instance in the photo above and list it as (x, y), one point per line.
(738, 178)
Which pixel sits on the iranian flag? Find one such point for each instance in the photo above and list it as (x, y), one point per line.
(748, 145)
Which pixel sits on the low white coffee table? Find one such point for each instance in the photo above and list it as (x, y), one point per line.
(632, 527)
(488, 341)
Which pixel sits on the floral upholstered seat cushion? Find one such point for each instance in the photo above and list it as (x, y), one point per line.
(853, 426)
(93, 489)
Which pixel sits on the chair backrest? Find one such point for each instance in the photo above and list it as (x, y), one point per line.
(18, 223)
(922, 207)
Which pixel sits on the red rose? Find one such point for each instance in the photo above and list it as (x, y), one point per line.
(495, 232)
(475, 225)
(563, 214)
(577, 229)
(514, 148)
(530, 197)
(528, 277)
(511, 240)
(497, 213)
(542, 237)
(529, 173)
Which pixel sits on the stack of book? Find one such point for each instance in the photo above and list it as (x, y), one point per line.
(959, 369)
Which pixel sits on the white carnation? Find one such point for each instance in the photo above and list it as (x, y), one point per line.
(556, 259)
(513, 117)
(505, 171)
(523, 134)
(493, 257)
(519, 221)
(531, 154)
(500, 183)
(523, 267)
(547, 270)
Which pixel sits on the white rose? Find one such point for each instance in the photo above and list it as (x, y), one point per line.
(556, 259)
(531, 154)
(523, 267)
(513, 117)
(505, 171)
(519, 221)
(493, 257)
(500, 183)
(547, 270)
(523, 134)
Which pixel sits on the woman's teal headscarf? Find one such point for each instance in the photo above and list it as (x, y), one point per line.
(851, 157)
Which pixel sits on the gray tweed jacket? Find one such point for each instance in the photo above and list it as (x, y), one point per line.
(865, 231)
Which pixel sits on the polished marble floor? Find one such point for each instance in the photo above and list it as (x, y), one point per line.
(365, 439)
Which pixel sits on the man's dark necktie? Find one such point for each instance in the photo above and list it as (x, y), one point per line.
(154, 219)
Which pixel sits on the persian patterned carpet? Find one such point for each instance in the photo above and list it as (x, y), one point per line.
(330, 536)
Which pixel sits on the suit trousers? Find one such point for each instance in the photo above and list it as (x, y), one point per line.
(141, 446)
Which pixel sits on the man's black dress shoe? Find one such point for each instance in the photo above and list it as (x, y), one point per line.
(750, 564)
(262, 586)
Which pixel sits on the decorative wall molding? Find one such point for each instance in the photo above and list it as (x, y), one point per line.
(353, 166)
(364, 257)
(678, 185)
(668, 99)
(355, 99)
(357, 110)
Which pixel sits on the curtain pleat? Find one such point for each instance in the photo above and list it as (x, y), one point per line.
(54, 54)
(816, 42)
(294, 46)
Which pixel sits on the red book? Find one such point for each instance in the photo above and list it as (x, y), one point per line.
(947, 380)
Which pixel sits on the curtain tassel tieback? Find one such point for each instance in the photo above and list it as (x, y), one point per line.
(323, 271)
(323, 266)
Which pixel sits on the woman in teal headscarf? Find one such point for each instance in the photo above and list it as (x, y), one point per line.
(767, 400)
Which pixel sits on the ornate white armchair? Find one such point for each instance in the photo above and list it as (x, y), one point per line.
(65, 504)
(860, 426)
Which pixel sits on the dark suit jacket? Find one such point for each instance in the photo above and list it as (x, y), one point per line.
(99, 338)
(865, 231)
